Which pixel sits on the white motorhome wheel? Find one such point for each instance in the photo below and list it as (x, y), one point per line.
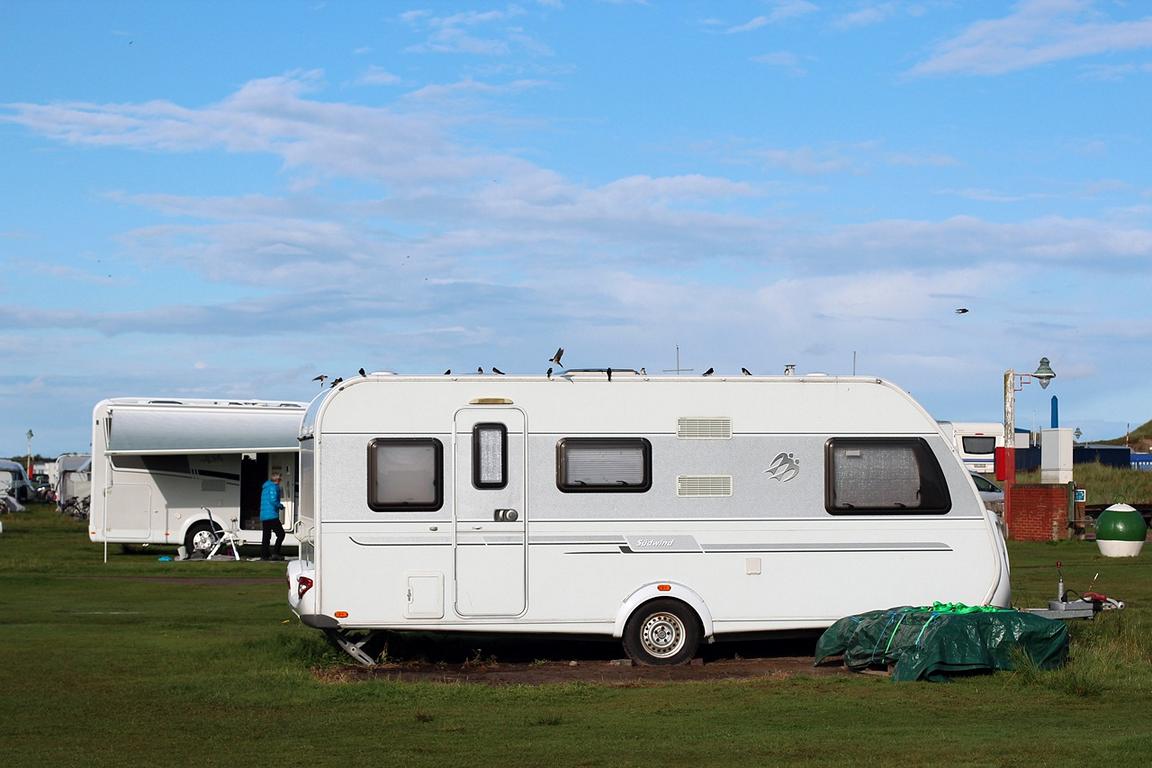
(662, 632)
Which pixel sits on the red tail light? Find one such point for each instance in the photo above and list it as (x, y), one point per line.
(303, 584)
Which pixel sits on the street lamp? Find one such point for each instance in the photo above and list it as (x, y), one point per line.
(28, 469)
(1013, 383)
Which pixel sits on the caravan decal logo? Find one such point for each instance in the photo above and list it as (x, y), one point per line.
(784, 467)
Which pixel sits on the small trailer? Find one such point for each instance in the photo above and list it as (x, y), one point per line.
(158, 464)
(659, 510)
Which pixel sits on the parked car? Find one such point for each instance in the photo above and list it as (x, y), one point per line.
(990, 493)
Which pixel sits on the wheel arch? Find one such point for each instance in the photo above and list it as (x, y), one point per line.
(666, 590)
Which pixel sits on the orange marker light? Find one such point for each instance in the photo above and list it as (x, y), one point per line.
(341, 614)
(664, 587)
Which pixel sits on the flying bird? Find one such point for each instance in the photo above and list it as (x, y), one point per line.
(363, 372)
(556, 357)
(549, 373)
(335, 381)
(497, 371)
(709, 372)
(320, 378)
(745, 371)
(962, 311)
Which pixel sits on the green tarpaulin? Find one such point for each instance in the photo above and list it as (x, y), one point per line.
(931, 642)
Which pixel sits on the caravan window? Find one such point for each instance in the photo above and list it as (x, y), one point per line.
(604, 464)
(404, 474)
(489, 456)
(979, 445)
(884, 476)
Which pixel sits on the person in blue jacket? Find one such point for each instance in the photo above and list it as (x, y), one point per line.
(270, 509)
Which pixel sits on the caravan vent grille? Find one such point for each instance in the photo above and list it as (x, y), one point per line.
(695, 428)
(704, 485)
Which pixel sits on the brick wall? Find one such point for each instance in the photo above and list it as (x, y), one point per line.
(1040, 512)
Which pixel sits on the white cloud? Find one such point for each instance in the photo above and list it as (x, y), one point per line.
(781, 10)
(1035, 33)
(867, 16)
(785, 60)
(378, 76)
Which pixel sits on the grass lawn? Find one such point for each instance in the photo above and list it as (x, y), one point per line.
(141, 662)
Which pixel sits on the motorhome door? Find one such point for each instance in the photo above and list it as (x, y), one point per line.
(491, 518)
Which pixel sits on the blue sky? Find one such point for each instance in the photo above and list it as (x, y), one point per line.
(226, 199)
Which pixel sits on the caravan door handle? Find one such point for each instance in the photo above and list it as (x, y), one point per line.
(505, 515)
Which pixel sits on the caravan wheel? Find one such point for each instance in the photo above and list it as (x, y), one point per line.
(202, 536)
(662, 632)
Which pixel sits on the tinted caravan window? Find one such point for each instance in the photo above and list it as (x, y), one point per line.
(404, 474)
(884, 476)
(603, 464)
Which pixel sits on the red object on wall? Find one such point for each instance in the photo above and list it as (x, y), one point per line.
(999, 463)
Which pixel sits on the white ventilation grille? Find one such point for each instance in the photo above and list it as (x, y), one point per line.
(716, 428)
(704, 485)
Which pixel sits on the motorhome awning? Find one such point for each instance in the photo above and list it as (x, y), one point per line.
(132, 429)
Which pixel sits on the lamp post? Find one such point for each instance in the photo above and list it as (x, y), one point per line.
(1013, 383)
(28, 469)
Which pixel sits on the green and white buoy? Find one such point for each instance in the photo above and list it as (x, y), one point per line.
(1120, 531)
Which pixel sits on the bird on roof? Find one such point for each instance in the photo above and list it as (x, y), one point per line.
(609, 374)
(497, 371)
(321, 378)
(335, 381)
(363, 372)
(556, 357)
(480, 370)
(745, 371)
(548, 373)
(643, 372)
(448, 372)
(709, 372)
(962, 310)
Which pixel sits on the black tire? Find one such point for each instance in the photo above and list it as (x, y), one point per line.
(662, 631)
(200, 536)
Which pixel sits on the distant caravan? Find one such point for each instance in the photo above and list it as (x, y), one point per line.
(976, 442)
(156, 464)
(662, 511)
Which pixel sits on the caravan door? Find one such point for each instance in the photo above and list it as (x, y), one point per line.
(491, 517)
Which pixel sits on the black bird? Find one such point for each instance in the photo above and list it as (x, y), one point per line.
(709, 372)
(643, 372)
(320, 378)
(745, 371)
(609, 374)
(962, 311)
(480, 370)
(335, 381)
(497, 371)
(448, 372)
(549, 373)
(363, 372)
(556, 357)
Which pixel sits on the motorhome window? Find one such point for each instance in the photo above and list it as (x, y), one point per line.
(176, 464)
(404, 474)
(884, 476)
(489, 456)
(604, 465)
(979, 445)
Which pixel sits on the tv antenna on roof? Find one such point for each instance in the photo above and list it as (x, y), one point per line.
(678, 370)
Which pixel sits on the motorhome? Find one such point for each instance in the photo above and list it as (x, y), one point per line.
(662, 511)
(169, 471)
(976, 442)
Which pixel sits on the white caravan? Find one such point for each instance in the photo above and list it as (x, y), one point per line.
(157, 463)
(976, 443)
(660, 510)
(14, 481)
(73, 472)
